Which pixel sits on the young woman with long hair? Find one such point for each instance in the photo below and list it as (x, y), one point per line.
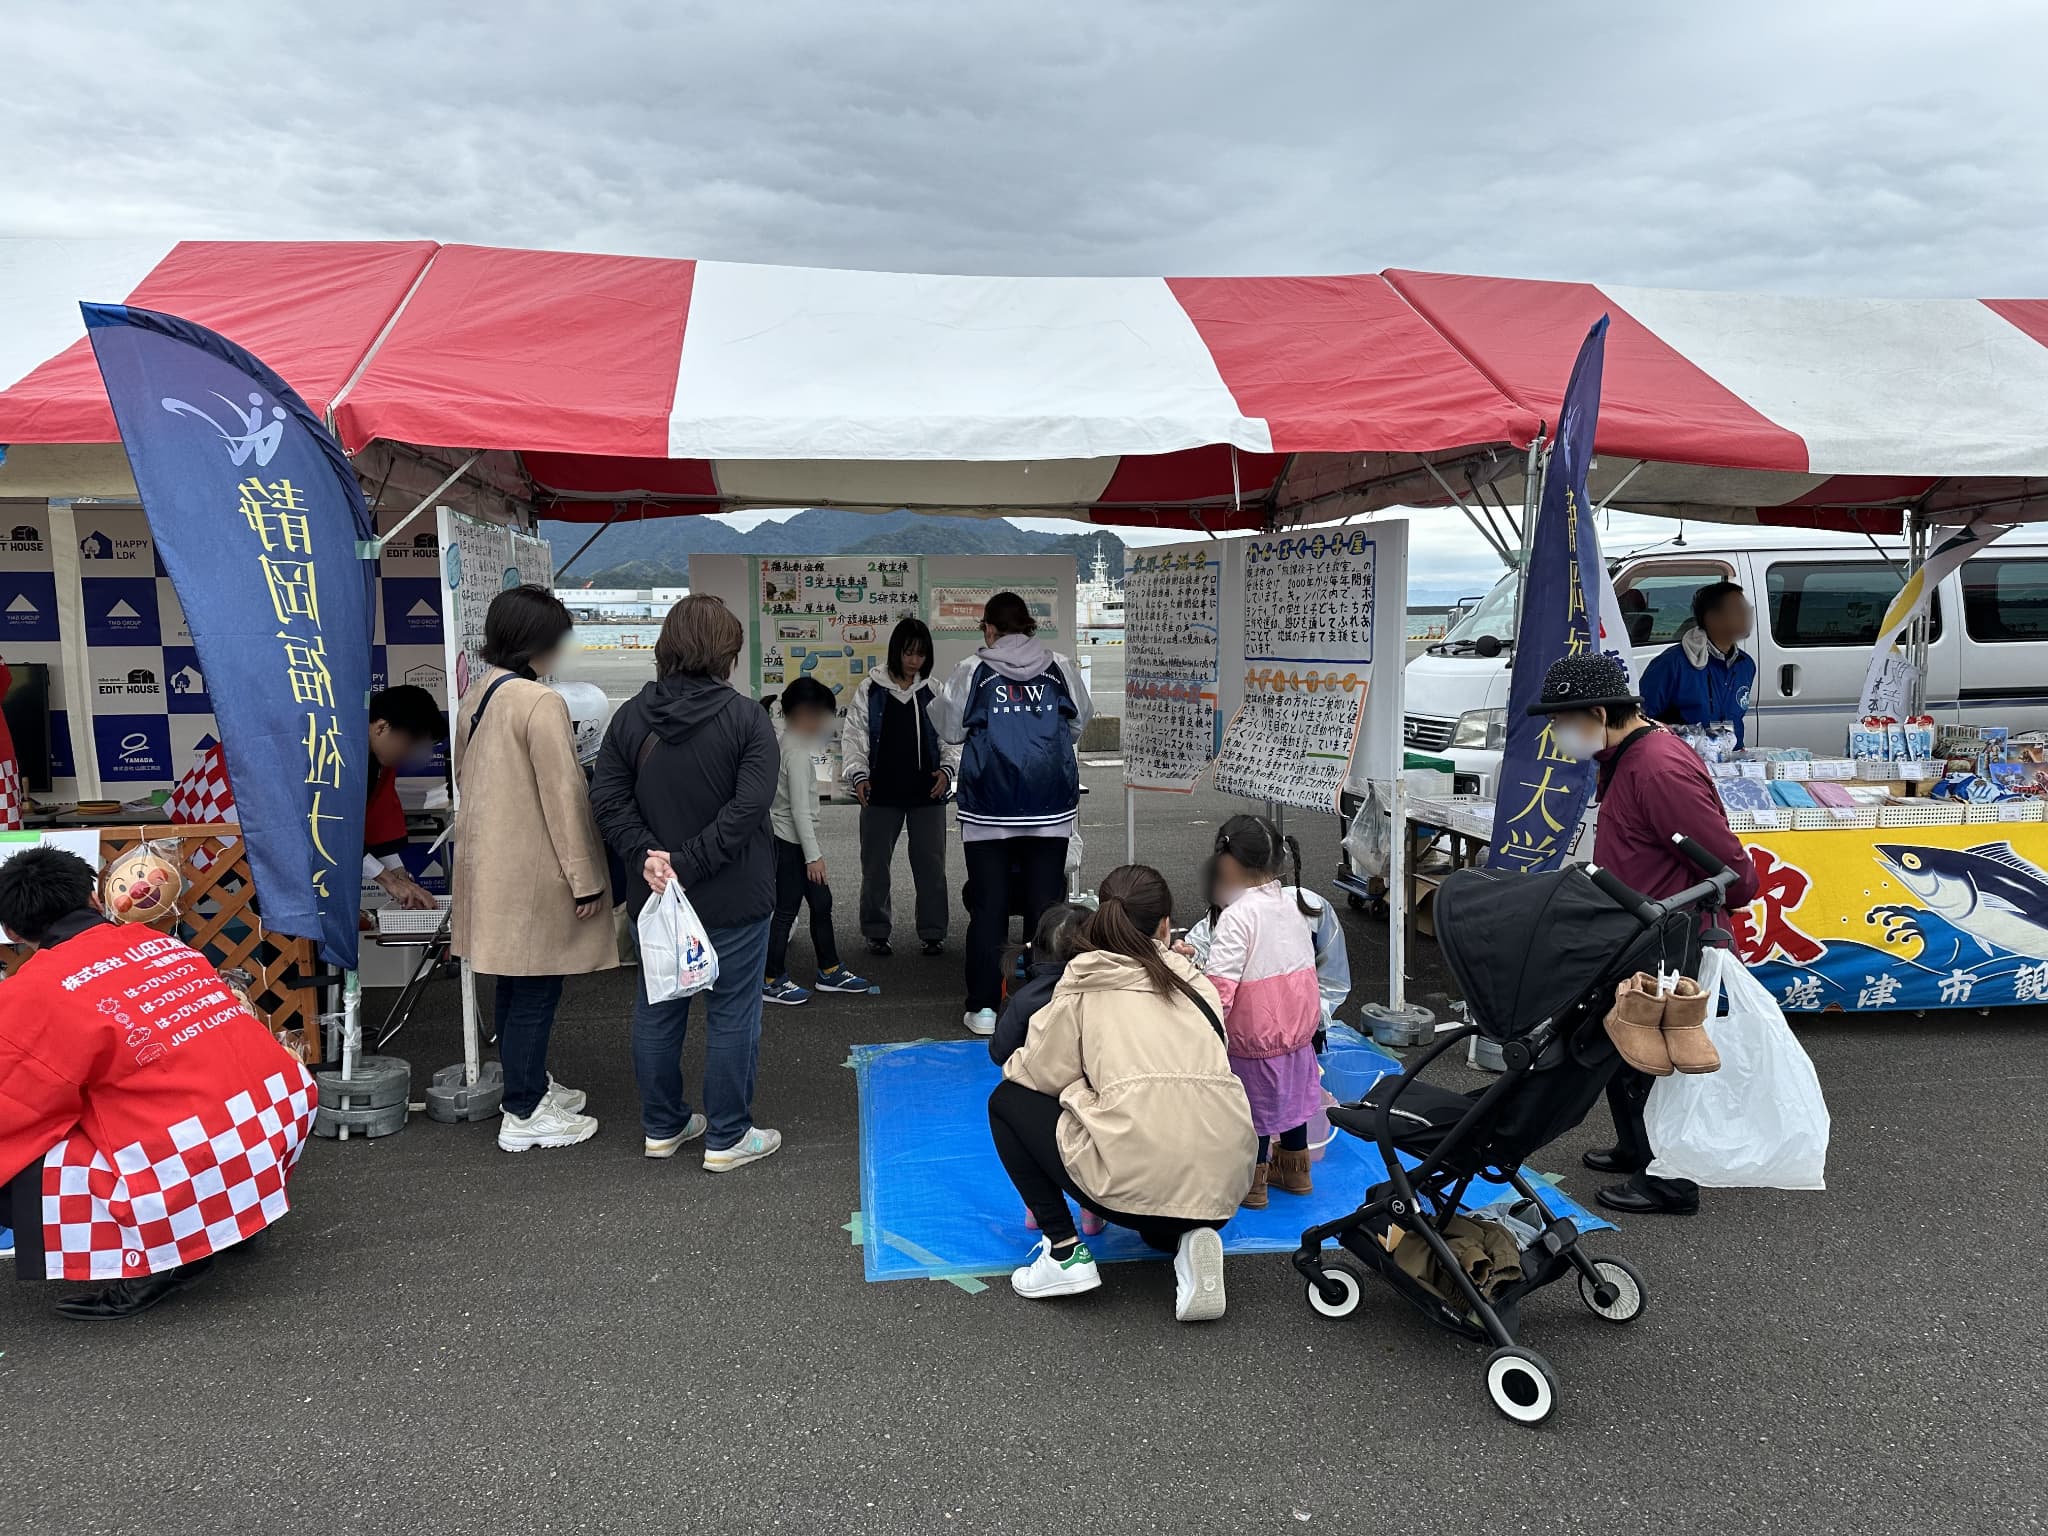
(1122, 1097)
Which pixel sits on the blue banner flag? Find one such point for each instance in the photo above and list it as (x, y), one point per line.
(262, 526)
(1541, 792)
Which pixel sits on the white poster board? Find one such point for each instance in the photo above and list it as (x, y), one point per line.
(1177, 691)
(1312, 626)
(479, 560)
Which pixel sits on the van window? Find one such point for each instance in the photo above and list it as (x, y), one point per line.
(1814, 605)
(1657, 599)
(2005, 599)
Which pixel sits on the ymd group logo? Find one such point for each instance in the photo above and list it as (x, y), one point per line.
(121, 610)
(28, 606)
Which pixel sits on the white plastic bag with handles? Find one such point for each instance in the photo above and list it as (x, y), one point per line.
(1758, 1123)
(676, 957)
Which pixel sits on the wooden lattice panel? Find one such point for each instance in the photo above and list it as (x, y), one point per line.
(217, 916)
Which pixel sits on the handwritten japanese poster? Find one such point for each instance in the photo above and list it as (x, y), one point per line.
(479, 560)
(829, 617)
(1308, 597)
(1173, 656)
(1292, 739)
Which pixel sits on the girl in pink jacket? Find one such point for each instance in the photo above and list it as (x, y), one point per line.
(1262, 962)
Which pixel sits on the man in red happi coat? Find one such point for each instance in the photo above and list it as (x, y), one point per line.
(147, 1119)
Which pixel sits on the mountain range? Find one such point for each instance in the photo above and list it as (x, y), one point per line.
(655, 552)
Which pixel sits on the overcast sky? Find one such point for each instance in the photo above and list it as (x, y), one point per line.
(1814, 147)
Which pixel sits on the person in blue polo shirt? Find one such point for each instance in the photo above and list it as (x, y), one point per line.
(1706, 675)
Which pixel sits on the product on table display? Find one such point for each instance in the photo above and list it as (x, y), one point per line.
(142, 885)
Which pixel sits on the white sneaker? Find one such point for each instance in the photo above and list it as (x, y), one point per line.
(982, 1022)
(548, 1126)
(750, 1148)
(1048, 1276)
(665, 1146)
(569, 1100)
(1198, 1276)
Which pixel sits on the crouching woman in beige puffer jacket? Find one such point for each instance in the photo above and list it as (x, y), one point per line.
(1122, 1097)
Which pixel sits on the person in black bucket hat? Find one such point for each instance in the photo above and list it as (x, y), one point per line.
(1652, 787)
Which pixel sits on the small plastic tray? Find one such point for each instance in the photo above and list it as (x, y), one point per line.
(1930, 815)
(1828, 818)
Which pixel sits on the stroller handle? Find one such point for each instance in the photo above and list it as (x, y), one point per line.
(1649, 913)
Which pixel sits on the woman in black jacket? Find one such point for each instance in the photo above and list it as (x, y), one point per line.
(682, 790)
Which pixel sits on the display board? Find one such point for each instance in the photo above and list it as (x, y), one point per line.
(1899, 917)
(1292, 738)
(1311, 627)
(1308, 597)
(837, 626)
(1174, 701)
(29, 624)
(829, 617)
(479, 559)
(150, 708)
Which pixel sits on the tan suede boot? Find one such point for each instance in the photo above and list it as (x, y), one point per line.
(1292, 1171)
(1255, 1197)
(1685, 1029)
(1635, 1023)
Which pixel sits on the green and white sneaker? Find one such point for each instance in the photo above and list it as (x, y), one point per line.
(750, 1148)
(1047, 1275)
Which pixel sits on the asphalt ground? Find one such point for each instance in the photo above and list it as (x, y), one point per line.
(444, 1337)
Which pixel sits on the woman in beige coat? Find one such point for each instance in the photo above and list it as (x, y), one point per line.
(1122, 1096)
(531, 893)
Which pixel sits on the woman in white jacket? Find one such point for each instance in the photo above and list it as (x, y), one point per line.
(902, 774)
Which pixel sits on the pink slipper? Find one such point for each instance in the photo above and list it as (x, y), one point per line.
(1091, 1224)
(1030, 1221)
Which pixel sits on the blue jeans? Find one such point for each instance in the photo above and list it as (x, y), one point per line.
(523, 1011)
(732, 1041)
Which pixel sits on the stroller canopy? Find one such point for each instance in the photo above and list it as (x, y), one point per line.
(1526, 947)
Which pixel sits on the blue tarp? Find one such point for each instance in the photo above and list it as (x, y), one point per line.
(936, 1203)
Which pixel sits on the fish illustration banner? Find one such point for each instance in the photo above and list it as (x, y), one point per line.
(262, 527)
(1900, 917)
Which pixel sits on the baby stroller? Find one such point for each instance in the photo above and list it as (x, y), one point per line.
(1539, 957)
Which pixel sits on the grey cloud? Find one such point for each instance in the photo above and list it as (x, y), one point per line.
(1869, 148)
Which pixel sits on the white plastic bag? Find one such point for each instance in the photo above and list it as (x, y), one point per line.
(676, 957)
(1368, 843)
(1758, 1123)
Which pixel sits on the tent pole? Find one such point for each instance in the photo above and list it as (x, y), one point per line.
(1464, 507)
(618, 509)
(78, 693)
(427, 500)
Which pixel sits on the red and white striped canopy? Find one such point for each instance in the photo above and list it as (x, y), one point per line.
(694, 386)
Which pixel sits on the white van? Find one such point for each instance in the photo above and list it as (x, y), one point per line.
(1817, 612)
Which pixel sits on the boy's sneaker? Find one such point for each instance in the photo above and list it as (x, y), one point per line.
(750, 1148)
(934, 947)
(784, 992)
(569, 1100)
(1047, 1276)
(981, 1022)
(880, 947)
(548, 1126)
(665, 1146)
(841, 980)
(1198, 1276)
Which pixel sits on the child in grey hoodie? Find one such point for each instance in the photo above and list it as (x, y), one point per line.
(802, 723)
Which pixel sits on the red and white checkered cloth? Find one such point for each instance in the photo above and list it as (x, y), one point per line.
(203, 797)
(223, 1181)
(11, 797)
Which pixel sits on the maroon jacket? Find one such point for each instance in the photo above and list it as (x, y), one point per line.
(1653, 787)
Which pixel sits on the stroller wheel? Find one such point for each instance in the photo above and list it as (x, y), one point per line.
(1623, 1285)
(1521, 1383)
(1341, 1278)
